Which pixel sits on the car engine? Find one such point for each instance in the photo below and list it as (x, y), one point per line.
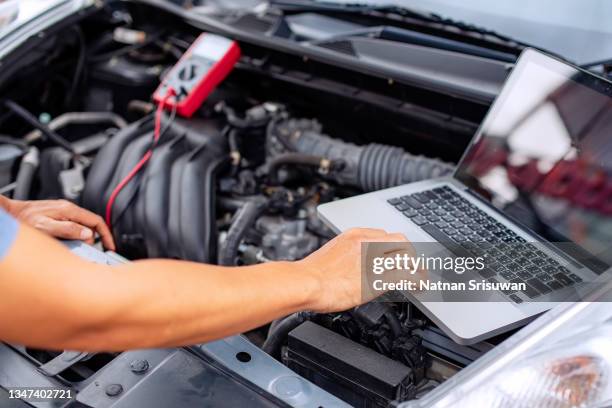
(239, 182)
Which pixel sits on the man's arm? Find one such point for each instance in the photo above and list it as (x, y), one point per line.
(50, 298)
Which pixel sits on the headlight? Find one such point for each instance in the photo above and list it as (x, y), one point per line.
(573, 373)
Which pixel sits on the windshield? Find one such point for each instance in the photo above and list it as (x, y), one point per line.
(578, 30)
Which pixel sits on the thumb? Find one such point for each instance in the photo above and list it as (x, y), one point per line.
(68, 230)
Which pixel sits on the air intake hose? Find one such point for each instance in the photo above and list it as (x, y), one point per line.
(383, 166)
(370, 167)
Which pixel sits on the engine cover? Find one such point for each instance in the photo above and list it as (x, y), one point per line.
(168, 209)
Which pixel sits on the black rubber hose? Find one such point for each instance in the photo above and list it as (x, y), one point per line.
(299, 159)
(370, 167)
(32, 121)
(279, 331)
(244, 219)
(25, 175)
(394, 323)
(241, 122)
(370, 314)
(232, 137)
(234, 145)
(386, 166)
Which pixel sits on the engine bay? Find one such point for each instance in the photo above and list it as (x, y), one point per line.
(239, 182)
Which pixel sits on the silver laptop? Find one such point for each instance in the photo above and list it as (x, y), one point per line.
(537, 172)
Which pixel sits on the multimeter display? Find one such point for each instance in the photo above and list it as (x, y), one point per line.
(205, 64)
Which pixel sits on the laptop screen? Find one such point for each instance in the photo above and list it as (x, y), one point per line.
(543, 155)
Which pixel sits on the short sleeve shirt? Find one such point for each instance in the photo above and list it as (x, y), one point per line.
(8, 232)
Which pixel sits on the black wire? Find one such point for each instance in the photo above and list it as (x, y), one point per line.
(176, 52)
(168, 124)
(80, 68)
(184, 45)
(34, 122)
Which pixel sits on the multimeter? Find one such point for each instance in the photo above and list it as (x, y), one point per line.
(206, 63)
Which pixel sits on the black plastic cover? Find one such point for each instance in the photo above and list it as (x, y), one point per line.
(355, 373)
(168, 209)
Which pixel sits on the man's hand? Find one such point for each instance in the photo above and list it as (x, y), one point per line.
(337, 266)
(61, 219)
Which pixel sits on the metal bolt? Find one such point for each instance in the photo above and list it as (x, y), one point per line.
(45, 117)
(139, 366)
(113, 390)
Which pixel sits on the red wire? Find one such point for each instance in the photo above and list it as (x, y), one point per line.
(142, 162)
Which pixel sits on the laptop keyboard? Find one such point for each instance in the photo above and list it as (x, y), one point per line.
(466, 230)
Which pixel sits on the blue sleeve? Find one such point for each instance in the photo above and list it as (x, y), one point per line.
(8, 232)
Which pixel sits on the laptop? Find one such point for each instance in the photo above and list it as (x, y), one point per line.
(536, 177)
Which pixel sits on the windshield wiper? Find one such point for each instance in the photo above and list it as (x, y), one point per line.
(395, 12)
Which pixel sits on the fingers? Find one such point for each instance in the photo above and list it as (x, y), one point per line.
(66, 230)
(95, 222)
(364, 232)
(72, 212)
(396, 237)
(374, 235)
(82, 224)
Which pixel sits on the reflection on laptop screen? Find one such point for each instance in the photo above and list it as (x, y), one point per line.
(544, 156)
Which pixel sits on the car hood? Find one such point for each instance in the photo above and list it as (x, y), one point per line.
(23, 19)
